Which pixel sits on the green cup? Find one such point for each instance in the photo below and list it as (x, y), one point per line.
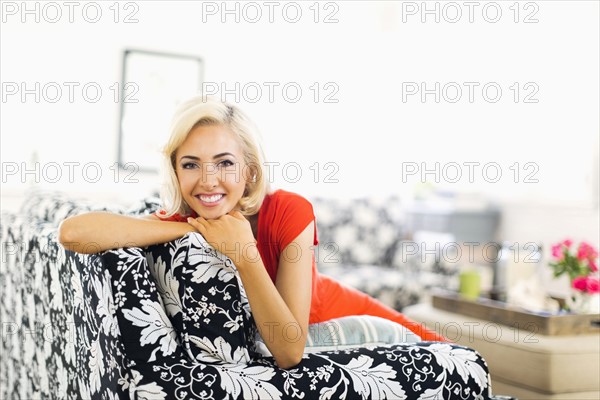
(469, 284)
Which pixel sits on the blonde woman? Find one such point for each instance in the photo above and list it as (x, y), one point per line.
(217, 186)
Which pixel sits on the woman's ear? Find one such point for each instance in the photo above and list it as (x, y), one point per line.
(250, 180)
(250, 173)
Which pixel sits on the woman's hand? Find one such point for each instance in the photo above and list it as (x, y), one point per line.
(230, 234)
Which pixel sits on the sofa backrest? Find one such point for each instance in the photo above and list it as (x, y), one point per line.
(351, 232)
(357, 231)
(54, 207)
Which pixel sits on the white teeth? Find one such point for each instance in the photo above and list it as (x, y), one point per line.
(211, 199)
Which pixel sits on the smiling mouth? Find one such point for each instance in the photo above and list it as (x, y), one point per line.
(210, 199)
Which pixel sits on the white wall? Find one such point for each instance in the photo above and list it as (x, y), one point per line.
(372, 54)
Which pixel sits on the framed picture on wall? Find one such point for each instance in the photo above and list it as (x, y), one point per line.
(152, 86)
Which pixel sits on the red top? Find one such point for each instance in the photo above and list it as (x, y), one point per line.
(282, 217)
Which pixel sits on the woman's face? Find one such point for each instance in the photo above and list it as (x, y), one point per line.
(211, 171)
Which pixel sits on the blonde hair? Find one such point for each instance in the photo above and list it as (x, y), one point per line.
(204, 110)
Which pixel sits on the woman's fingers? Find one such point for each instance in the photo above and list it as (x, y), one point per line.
(236, 214)
(196, 223)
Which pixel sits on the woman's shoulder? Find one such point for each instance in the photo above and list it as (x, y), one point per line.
(284, 203)
(283, 197)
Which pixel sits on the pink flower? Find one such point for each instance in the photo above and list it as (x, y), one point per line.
(579, 283)
(557, 251)
(586, 284)
(593, 285)
(586, 252)
(581, 265)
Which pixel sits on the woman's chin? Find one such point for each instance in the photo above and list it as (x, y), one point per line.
(209, 214)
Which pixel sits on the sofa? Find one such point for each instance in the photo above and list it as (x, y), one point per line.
(115, 325)
(364, 243)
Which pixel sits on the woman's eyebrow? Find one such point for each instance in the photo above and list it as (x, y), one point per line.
(214, 157)
(190, 157)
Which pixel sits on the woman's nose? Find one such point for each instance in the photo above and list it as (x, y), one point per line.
(209, 177)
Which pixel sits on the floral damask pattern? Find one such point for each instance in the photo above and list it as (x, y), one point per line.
(173, 321)
(362, 244)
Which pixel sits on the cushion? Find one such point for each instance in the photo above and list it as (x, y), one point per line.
(180, 297)
(356, 331)
(351, 332)
(216, 316)
(147, 334)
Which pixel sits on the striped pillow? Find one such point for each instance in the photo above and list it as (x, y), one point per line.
(349, 332)
(356, 331)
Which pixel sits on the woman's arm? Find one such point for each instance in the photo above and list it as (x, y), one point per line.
(98, 231)
(281, 311)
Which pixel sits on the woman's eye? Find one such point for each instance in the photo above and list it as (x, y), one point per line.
(225, 163)
(188, 165)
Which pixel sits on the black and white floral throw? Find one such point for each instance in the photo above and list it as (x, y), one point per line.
(172, 321)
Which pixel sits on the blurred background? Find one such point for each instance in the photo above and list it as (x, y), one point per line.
(452, 105)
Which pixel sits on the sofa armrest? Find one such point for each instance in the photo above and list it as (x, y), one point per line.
(60, 336)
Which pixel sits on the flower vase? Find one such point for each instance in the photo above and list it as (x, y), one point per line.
(583, 303)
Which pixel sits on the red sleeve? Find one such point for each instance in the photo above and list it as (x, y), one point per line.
(282, 217)
(293, 214)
